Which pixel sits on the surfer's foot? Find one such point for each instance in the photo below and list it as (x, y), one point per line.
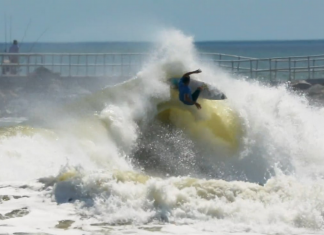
(203, 87)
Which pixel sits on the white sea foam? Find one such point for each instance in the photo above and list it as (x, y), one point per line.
(88, 174)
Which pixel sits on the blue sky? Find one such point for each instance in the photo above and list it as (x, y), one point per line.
(141, 20)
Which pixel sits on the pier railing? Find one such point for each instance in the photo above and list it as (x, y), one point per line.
(127, 64)
(73, 64)
(274, 69)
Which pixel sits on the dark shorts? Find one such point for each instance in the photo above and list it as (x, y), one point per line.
(194, 97)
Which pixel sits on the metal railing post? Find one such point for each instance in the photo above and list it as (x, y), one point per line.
(104, 61)
(121, 65)
(294, 70)
(86, 65)
(52, 62)
(113, 65)
(275, 74)
(313, 68)
(129, 63)
(257, 69)
(251, 68)
(289, 69)
(28, 64)
(78, 64)
(70, 65)
(308, 65)
(61, 61)
(95, 65)
(270, 69)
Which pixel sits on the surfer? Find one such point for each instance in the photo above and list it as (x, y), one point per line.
(185, 95)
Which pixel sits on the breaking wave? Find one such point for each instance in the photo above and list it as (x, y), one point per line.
(119, 160)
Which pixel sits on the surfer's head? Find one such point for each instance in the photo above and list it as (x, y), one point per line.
(186, 80)
(15, 42)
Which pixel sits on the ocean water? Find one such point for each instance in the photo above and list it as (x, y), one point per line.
(256, 49)
(117, 162)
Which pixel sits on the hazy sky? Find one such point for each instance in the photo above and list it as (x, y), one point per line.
(140, 20)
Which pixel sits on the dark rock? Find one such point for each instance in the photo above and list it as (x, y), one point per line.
(316, 90)
(43, 72)
(15, 213)
(64, 224)
(18, 197)
(315, 94)
(7, 197)
(300, 85)
(4, 198)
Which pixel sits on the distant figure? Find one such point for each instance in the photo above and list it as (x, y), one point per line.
(14, 59)
(185, 92)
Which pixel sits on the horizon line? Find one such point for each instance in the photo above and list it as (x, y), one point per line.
(198, 41)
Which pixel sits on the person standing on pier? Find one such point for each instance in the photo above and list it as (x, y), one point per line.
(14, 59)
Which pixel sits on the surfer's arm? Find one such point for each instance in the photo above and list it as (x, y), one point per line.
(189, 73)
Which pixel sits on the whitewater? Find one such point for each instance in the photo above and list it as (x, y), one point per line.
(108, 163)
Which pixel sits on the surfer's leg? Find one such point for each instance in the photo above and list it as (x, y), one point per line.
(195, 95)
